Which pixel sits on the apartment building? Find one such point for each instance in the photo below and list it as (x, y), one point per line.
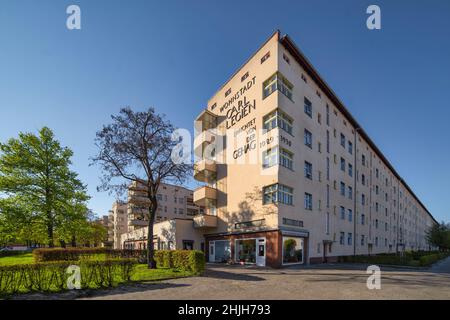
(118, 223)
(175, 213)
(290, 176)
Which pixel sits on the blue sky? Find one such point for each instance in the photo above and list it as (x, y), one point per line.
(173, 55)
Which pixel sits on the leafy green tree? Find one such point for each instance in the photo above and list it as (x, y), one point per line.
(35, 169)
(439, 236)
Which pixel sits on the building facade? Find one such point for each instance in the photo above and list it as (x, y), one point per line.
(118, 223)
(175, 208)
(290, 176)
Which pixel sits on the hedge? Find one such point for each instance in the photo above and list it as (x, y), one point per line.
(53, 276)
(186, 260)
(10, 253)
(76, 254)
(410, 258)
(432, 258)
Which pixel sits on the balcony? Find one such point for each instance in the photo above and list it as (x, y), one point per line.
(205, 170)
(205, 221)
(205, 121)
(205, 196)
(137, 223)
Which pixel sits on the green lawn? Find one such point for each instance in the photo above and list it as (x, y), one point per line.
(140, 273)
(26, 258)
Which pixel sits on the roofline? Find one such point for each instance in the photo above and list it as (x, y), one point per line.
(276, 32)
(287, 42)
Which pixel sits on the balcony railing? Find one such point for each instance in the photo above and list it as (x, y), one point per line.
(205, 221)
(137, 223)
(205, 170)
(205, 196)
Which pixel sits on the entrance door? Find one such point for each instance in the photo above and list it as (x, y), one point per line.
(212, 257)
(261, 252)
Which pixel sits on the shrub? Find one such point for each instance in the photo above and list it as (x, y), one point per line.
(76, 254)
(186, 260)
(53, 276)
(65, 254)
(13, 253)
(432, 258)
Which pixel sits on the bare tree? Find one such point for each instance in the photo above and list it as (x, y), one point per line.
(137, 148)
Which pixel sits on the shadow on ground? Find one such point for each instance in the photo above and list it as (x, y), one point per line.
(90, 293)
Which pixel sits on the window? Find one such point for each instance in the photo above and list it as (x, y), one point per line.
(328, 115)
(385, 242)
(350, 215)
(180, 211)
(363, 160)
(376, 241)
(363, 180)
(328, 141)
(349, 239)
(343, 164)
(376, 223)
(342, 189)
(342, 140)
(377, 190)
(265, 57)
(278, 193)
(341, 238)
(308, 138)
(308, 201)
(270, 157)
(278, 119)
(188, 245)
(350, 170)
(376, 173)
(304, 78)
(319, 118)
(328, 169)
(328, 195)
(286, 159)
(385, 226)
(277, 82)
(327, 223)
(308, 107)
(350, 147)
(308, 170)
(245, 76)
(363, 219)
(286, 58)
(342, 213)
(362, 239)
(363, 199)
(350, 192)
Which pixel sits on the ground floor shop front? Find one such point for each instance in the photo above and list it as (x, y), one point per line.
(275, 248)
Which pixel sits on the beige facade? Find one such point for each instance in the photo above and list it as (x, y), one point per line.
(280, 154)
(176, 233)
(118, 223)
(175, 206)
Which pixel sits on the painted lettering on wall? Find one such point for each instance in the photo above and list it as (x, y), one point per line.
(238, 94)
(237, 113)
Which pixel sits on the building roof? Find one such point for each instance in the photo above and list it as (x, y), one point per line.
(287, 42)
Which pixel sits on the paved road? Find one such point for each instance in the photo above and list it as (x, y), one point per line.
(314, 282)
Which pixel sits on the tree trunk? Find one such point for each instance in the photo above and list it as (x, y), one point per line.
(50, 234)
(151, 263)
(74, 242)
